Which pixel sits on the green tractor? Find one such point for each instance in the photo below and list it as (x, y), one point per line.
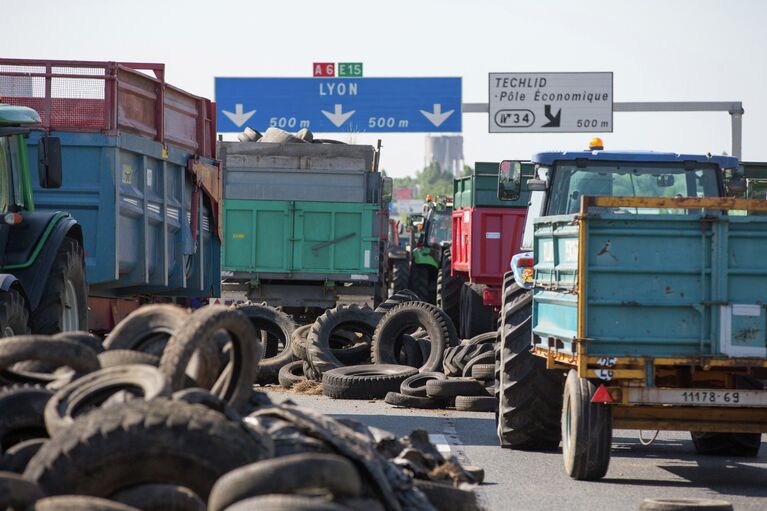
(42, 271)
(432, 241)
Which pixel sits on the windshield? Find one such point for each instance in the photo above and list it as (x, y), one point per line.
(629, 179)
(439, 227)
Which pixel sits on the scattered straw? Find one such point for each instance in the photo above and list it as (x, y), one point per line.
(310, 387)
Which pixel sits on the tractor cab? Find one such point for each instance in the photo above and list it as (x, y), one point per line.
(562, 179)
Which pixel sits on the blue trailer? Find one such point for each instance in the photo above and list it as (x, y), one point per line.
(139, 176)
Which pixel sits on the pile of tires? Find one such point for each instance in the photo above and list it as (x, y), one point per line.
(465, 381)
(163, 415)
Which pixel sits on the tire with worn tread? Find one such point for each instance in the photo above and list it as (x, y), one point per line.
(400, 270)
(476, 403)
(484, 372)
(416, 384)
(423, 282)
(147, 329)
(17, 492)
(78, 503)
(159, 497)
(453, 387)
(406, 318)
(17, 457)
(173, 442)
(291, 474)
(57, 352)
(68, 270)
(22, 416)
(291, 373)
(397, 298)
(285, 503)
(727, 444)
(364, 381)
(343, 317)
(428, 403)
(530, 396)
(246, 351)
(114, 358)
(14, 314)
(280, 327)
(587, 430)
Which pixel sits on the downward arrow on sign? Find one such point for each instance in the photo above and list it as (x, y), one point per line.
(238, 117)
(437, 117)
(338, 117)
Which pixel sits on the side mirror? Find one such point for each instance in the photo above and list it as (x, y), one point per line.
(509, 179)
(387, 187)
(736, 186)
(537, 185)
(49, 162)
(665, 180)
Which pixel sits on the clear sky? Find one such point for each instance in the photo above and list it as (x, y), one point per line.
(658, 50)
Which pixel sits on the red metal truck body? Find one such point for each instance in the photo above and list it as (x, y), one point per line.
(483, 242)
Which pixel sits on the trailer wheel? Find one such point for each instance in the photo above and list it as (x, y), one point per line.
(530, 396)
(587, 431)
(63, 306)
(400, 274)
(14, 317)
(727, 444)
(449, 290)
(476, 317)
(422, 282)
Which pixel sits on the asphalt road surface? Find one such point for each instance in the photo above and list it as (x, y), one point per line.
(527, 481)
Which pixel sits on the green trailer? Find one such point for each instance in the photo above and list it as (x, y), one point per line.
(304, 224)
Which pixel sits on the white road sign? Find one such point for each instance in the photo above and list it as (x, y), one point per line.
(551, 102)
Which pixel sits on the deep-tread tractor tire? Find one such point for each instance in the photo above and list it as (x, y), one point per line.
(277, 324)
(173, 442)
(364, 381)
(727, 444)
(423, 282)
(449, 289)
(14, 315)
(587, 430)
(397, 298)
(400, 269)
(69, 266)
(530, 396)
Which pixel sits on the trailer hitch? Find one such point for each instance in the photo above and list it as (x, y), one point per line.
(316, 248)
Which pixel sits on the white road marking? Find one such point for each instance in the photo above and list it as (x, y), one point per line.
(440, 441)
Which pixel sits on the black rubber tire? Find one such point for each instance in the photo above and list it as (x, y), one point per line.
(449, 289)
(727, 444)
(406, 318)
(685, 505)
(444, 497)
(68, 266)
(14, 315)
(476, 317)
(429, 403)
(92, 390)
(173, 442)
(343, 317)
(364, 381)
(410, 353)
(483, 358)
(416, 384)
(147, 329)
(287, 475)
(17, 457)
(298, 341)
(87, 338)
(291, 373)
(246, 351)
(483, 372)
(397, 298)
(453, 387)
(21, 414)
(476, 403)
(78, 503)
(17, 492)
(423, 282)
(277, 324)
(400, 270)
(285, 503)
(114, 358)
(159, 497)
(530, 396)
(587, 430)
(50, 350)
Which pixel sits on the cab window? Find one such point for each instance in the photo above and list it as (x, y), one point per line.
(5, 173)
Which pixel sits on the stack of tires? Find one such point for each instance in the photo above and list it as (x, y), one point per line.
(163, 415)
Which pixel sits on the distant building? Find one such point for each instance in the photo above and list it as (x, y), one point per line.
(445, 150)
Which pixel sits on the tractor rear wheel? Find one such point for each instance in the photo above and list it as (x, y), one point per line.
(530, 396)
(63, 306)
(14, 316)
(475, 317)
(449, 290)
(400, 275)
(423, 283)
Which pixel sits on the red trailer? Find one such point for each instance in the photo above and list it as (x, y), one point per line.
(486, 233)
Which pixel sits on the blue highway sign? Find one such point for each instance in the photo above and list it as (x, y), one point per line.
(376, 105)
